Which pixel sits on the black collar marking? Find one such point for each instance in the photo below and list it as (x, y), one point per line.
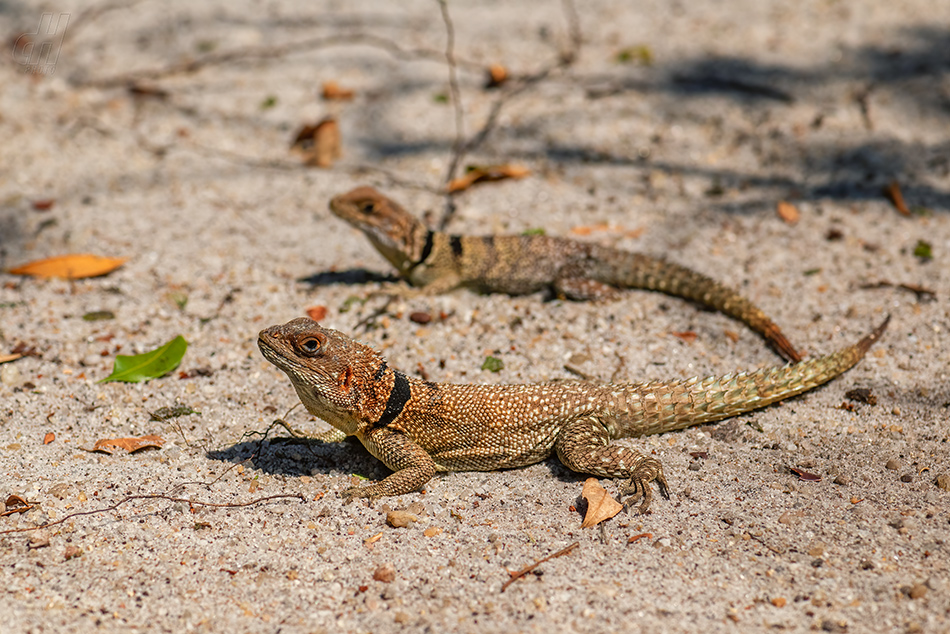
(426, 250)
(397, 399)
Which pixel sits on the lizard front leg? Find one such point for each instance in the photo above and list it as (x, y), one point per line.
(583, 446)
(412, 465)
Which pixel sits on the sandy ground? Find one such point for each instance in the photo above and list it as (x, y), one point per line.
(720, 110)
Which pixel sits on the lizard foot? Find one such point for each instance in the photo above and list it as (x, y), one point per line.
(371, 492)
(649, 470)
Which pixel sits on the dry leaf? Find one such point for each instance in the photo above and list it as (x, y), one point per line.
(497, 75)
(600, 506)
(44, 205)
(805, 475)
(731, 335)
(639, 537)
(333, 92)
(316, 313)
(71, 267)
(586, 230)
(893, 193)
(320, 144)
(687, 335)
(16, 504)
(486, 173)
(110, 445)
(788, 212)
(6, 358)
(48, 438)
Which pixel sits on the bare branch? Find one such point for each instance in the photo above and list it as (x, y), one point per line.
(155, 496)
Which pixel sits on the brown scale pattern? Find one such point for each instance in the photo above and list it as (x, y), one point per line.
(518, 265)
(447, 427)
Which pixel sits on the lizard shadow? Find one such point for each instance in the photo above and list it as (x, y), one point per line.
(349, 277)
(289, 456)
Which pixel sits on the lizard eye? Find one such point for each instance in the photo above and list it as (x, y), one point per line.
(309, 346)
(367, 208)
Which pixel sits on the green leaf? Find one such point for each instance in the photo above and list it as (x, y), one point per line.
(493, 364)
(148, 365)
(440, 98)
(811, 272)
(269, 102)
(923, 250)
(98, 315)
(537, 231)
(641, 54)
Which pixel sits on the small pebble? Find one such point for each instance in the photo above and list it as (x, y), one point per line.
(842, 479)
(907, 477)
(943, 482)
(420, 317)
(39, 539)
(385, 573)
(400, 519)
(892, 465)
(9, 375)
(401, 618)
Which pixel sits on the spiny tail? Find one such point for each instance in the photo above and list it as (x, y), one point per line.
(661, 407)
(666, 277)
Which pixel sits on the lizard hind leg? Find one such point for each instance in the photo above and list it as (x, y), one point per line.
(583, 445)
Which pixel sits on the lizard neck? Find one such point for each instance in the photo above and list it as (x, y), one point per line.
(406, 251)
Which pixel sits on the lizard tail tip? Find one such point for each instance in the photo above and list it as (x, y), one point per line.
(871, 338)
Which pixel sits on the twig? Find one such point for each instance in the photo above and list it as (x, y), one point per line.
(564, 60)
(517, 575)
(270, 52)
(154, 496)
(455, 92)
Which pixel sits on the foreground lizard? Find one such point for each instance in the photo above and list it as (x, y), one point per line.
(418, 427)
(529, 263)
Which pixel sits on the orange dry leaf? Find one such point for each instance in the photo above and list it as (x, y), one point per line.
(788, 212)
(48, 438)
(586, 230)
(600, 506)
(16, 504)
(317, 313)
(687, 335)
(71, 267)
(893, 193)
(109, 445)
(319, 144)
(332, 91)
(484, 174)
(6, 358)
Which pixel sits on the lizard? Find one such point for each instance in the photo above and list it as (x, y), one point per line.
(418, 428)
(522, 264)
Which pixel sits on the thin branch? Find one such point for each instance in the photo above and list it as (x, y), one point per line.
(154, 496)
(518, 575)
(270, 52)
(565, 59)
(455, 92)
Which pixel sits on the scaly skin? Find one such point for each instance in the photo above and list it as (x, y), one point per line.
(517, 265)
(417, 428)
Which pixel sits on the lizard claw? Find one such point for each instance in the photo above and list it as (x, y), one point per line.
(649, 470)
(352, 493)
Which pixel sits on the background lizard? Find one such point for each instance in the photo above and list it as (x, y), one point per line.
(522, 264)
(417, 428)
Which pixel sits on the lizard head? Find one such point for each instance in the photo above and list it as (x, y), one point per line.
(325, 366)
(395, 233)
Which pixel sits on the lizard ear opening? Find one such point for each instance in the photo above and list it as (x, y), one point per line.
(346, 379)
